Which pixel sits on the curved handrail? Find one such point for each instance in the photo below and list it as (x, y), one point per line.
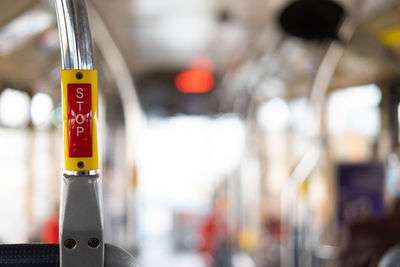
(391, 258)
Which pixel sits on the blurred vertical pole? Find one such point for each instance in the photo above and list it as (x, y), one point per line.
(311, 158)
(132, 117)
(394, 114)
(54, 149)
(30, 183)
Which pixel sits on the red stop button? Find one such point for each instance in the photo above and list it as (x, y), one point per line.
(80, 120)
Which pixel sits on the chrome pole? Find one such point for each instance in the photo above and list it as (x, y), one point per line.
(81, 216)
(74, 32)
(81, 211)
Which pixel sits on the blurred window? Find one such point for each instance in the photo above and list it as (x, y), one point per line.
(355, 110)
(274, 115)
(14, 108)
(192, 153)
(41, 110)
(298, 112)
(354, 122)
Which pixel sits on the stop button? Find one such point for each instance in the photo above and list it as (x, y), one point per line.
(80, 120)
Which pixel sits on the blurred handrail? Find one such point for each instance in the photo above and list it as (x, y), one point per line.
(125, 85)
(312, 155)
(391, 258)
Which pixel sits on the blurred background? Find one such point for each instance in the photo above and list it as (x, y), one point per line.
(235, 133)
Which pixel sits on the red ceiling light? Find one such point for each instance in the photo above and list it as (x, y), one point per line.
(199, 79)
(195, 81)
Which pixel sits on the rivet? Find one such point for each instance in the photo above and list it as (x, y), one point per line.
(69, 243)
(93, 242)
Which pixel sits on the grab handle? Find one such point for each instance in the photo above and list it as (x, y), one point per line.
(81, 216)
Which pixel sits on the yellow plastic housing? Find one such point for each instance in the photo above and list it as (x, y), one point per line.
(89, 77)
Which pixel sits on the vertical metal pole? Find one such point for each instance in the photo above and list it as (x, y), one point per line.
(74, 31)
(81, 222)
(311, 158)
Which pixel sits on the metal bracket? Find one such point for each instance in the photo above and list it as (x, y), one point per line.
(81, 228)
